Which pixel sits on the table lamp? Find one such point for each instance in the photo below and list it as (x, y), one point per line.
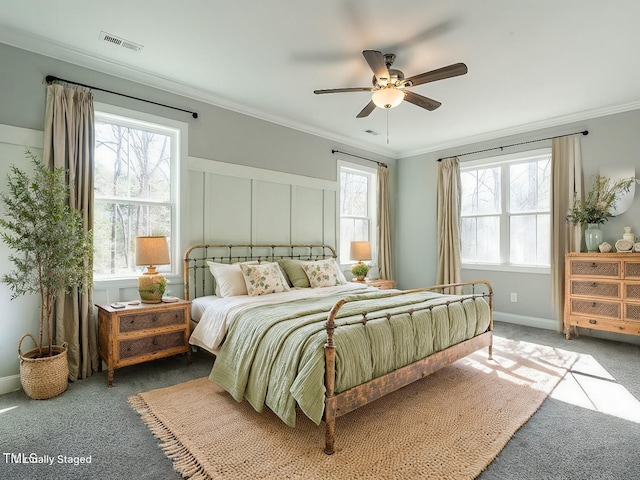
(360, 251)
(152, 251)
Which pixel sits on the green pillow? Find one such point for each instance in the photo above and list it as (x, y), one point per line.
(295, 273)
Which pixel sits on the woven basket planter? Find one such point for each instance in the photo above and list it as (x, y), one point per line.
(43, 377)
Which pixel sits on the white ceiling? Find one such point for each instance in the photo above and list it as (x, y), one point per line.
(532, 64)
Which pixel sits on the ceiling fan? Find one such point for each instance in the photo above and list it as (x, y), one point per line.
(390, 87)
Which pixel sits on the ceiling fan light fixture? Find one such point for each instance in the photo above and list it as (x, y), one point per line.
(388, 97)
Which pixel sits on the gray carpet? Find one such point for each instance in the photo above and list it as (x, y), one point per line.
(561, 441)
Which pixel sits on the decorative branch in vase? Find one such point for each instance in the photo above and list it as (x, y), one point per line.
(597, 207)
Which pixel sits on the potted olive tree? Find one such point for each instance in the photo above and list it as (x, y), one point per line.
(52, 254)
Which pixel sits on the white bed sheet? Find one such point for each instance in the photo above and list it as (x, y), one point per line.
(213, 313)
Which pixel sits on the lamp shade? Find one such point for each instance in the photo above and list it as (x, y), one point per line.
(388, 97)
(360, 251)
(152, 251)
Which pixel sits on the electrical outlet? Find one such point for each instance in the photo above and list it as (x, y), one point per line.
(514, 297)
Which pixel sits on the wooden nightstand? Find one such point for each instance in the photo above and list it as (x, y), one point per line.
(379, 283)
(144, 332)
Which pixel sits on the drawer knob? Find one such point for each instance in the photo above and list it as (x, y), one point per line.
(155, 341)
(154, 318)
(594, 284)
(592, 322)
(594, 304)
(594, 265)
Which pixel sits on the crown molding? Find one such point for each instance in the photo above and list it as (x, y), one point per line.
(40, 45)
(527, 128)
(66, 53)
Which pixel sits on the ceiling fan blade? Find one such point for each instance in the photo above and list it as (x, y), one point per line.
(341, 90)
(434, 75)
(421, 101)
(370, 107)
(375, 59)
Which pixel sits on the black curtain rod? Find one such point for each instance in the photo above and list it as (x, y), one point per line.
(358, 156)
(50, 79)
(584, 132)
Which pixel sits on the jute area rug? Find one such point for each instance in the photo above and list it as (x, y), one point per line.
(449, 425)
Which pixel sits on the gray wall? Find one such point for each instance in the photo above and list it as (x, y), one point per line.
(218, 134)
(613, 141)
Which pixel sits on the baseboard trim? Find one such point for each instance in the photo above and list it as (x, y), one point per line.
(525, 320)
(9, 384)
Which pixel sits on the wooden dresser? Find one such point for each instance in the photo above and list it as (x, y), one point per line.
(139, 333)
(602, 292)
(379, 283)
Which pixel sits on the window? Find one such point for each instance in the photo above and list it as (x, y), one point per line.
(135, 191)
(357, 208)
(506, 206)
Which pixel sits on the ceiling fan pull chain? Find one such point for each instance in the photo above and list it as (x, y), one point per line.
(387, 126)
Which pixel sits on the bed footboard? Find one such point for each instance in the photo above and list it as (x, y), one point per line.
(340, 404)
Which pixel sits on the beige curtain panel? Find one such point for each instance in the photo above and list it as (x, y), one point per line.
(384, 225)
(449, 210)
(69, 143)
(567, 183)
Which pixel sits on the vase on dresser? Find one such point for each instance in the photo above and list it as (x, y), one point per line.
(592, 237)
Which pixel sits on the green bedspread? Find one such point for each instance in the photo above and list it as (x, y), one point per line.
(274, 354)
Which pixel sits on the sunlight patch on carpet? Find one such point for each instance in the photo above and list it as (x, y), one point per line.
(589, 385)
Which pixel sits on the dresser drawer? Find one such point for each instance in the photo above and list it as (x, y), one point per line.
(142, 321)
(152, 344)
(631, 291)
(595, 289)
(597, 268)
(596, 308)
(617, 326)
(632, 270)
(632, 312)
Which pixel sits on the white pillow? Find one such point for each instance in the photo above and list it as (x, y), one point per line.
(229, 279)
(323, 273)
(264, 278)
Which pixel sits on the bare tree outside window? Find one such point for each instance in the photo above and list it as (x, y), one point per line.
(133, 193)
(506, 211)
(356, 209)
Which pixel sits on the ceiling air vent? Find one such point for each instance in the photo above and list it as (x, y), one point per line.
(120, 42)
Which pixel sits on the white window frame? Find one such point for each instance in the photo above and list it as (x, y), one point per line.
(179, 133)
(504, 161)
(372, 211)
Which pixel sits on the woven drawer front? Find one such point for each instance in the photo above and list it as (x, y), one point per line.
(632, 269)
(143, 321)
(600, 309)
(632, 312)
(595, 289)
(597, 268)
(632, 291)
(151, 344)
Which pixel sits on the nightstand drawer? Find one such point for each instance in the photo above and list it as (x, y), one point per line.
(139, 321)
(152, 344)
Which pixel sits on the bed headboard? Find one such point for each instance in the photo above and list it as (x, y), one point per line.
(198, 281)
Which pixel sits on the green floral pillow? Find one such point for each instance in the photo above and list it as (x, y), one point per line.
(323, 273)
(263, 279)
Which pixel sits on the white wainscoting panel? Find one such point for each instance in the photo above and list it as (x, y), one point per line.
(237, 204)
